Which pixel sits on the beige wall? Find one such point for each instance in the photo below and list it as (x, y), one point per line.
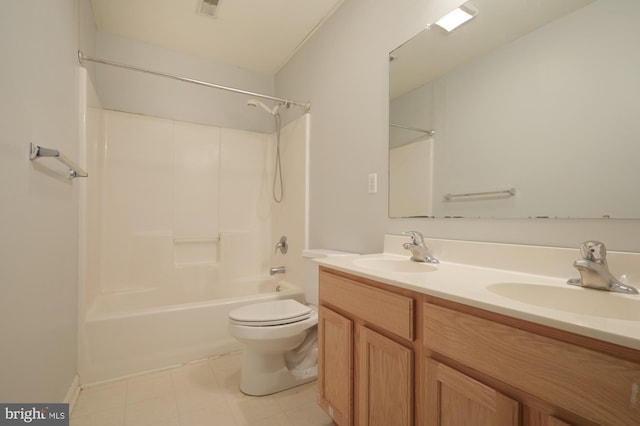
(343, 71)
(39, 205)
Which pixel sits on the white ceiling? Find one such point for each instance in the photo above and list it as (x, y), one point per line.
(258, 35)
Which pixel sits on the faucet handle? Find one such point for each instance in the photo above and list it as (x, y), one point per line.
(283, 245)
(594, 251)
(416, 237)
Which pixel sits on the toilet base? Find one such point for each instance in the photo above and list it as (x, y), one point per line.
(264, 374)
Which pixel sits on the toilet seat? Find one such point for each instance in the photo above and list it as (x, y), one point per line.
(265, 314)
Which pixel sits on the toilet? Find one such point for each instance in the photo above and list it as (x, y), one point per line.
(280, 336)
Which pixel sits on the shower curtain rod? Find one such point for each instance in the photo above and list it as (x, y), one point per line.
(286, 102)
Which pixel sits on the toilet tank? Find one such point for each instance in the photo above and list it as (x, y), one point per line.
(310, 270)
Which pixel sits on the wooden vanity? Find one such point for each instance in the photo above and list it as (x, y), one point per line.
(390, 356)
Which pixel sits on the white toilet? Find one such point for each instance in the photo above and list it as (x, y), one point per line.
(280, 336)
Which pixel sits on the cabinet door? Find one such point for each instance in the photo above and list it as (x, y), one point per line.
(454, 399)
(385, 380)
(335, 365)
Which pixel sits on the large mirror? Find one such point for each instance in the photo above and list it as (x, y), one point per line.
(529, 109)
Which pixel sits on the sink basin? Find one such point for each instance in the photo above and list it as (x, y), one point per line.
(576, 300)
(394, 265)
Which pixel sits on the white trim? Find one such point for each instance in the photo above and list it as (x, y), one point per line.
(72, 393)
(156, 370)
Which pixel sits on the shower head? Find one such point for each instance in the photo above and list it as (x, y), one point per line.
(257, 103)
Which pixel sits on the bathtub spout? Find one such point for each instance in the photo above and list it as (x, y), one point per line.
(277, 270)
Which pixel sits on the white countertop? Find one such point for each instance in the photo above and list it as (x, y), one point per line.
(542, 299)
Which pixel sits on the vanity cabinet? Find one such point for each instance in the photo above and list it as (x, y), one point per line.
(367, 351)
(493, 366)
(390, 356)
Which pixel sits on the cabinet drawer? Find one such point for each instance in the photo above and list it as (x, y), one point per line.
(591, 384)
(384, 309)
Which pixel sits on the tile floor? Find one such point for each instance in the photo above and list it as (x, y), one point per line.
(202, 393)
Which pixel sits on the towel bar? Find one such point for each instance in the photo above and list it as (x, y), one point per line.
(37, 151)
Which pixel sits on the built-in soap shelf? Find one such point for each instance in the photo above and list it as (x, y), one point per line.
(192, 252)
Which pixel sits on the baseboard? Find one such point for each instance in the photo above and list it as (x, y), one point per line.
(72, 393)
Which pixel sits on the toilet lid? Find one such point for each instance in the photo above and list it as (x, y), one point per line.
(275, 312)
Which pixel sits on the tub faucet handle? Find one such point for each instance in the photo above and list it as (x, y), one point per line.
(283, 245)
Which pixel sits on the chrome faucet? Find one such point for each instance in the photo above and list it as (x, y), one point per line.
(418, 249)
(594, 271)
(277, 270)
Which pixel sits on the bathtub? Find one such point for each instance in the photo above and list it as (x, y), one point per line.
(132, 332)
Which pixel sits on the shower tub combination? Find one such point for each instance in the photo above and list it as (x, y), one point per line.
(178, 273)
(132, 332)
